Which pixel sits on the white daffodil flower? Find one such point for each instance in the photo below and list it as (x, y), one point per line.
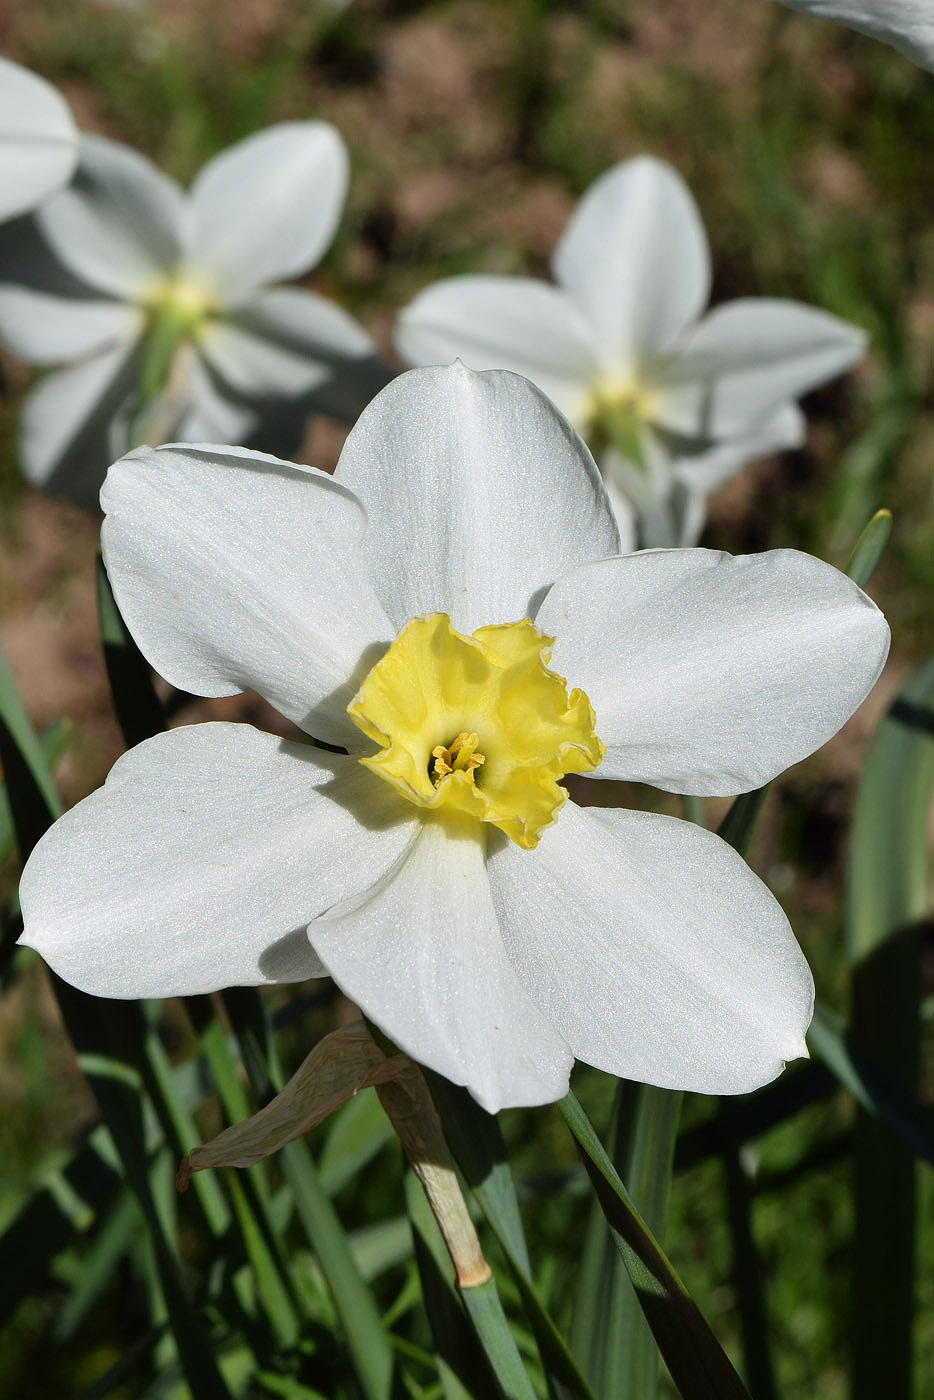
(38, 139)
(450, 609)
(160, 299)
(671, 404)
(908, 25)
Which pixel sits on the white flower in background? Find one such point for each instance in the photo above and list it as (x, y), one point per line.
(161, 300)
(908, 25)
(671, 405)
(492, 929)
(38, 139)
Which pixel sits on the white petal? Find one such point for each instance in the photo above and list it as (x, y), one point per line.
(908, 25)
(199, 863)
(635, 257)
(748, 357)
(67, 420)
(708, 468)
(290, 342)
(505, 323)
(649, 487)
(478, 493)
(45, 330)
(268, 207)
(623, 513)
(711, 674)
(208, 415)
(653, 946)
(117, 225)
(691, 515)
(421, 954)
(38, 139)
(236, 571)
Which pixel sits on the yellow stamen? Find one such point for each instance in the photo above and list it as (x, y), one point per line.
(460, 756)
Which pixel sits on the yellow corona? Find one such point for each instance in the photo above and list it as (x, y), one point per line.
(477, 725)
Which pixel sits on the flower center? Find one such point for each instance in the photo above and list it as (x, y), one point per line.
(617, 411)
(477, 724)
(622, 394)
(177, 308)
(181, 299)
(460, 756)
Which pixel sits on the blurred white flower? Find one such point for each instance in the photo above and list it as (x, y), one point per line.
(491, 928)
(161, 301)
(38, 139)
(908, 25)
(672, 405)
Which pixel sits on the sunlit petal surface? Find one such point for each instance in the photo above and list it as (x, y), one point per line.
(200, 862)
(478, 495)
(709, 673)
(237, 571)
(655, 949)
(422, 951)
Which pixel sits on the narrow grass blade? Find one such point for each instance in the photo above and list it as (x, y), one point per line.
(368, 1340)
(869, 548)
(747, 1272)
(737, 826)
(609, 1332)
(105, 1042)
(385, 1245)
(63, 1208)
(53, 743)
(477, 1146)
(698, 1365)
(264, 1248)
(34, 803)
(867, 463)
(96, 1266)
(886, 901)
(136, 704)
(871, 1084)
(462, 1366)
(486, 1313)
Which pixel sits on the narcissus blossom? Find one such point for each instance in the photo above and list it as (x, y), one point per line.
(38, 139)
(908, 25)
(672, 404)
(450, 609)
(159, 302)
